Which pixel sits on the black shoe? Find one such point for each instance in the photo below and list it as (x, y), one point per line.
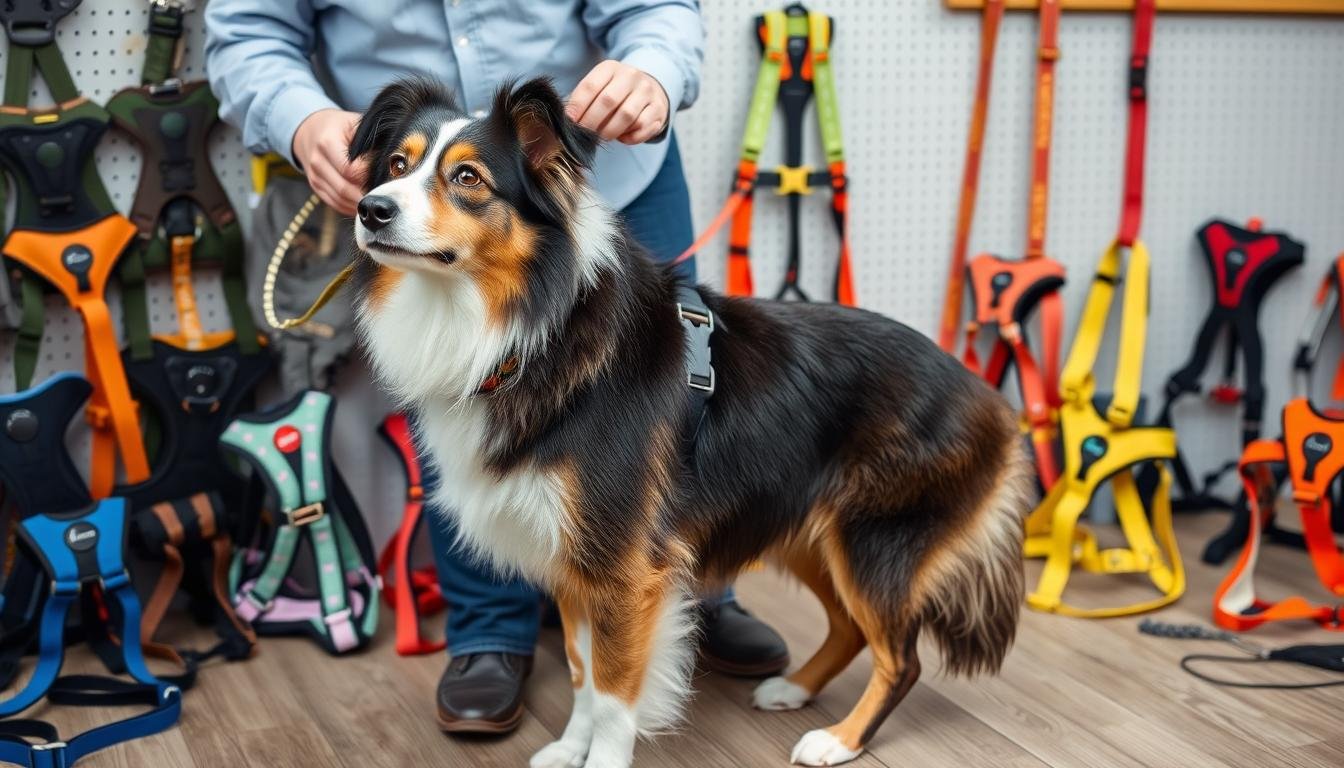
(739, 644)
(483, 693)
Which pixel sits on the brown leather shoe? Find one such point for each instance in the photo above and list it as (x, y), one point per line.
(483, 693)
(739, 644)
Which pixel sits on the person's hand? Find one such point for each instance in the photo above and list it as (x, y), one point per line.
(321, 145)
(620, 102)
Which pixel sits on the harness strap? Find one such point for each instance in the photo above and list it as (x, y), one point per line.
(163, 52)
(289, 448)
(832, 142)
(1131, 212)
(1309, 448)
(1047, 55)
(970, 181)
(409, 592)
(77, 549)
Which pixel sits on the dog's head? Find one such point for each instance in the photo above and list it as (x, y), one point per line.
(448, 193)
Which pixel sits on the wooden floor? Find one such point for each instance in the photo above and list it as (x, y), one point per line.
(1072, 693)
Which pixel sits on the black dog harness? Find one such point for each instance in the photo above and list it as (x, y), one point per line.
(1244, 263)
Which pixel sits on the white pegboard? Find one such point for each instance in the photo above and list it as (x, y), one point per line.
(1247, 118)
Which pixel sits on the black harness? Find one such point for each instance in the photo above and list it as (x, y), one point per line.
(1243, 263)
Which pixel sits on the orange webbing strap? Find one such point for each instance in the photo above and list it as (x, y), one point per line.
(78, 264)
(970, 182)
(1337, 278)
(1047, 55)
(738, 199)
(1235, 604)
(844, 275)
(184, 295)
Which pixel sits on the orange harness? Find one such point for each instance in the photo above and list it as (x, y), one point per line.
(1313, 449)
(67, 232)
(1005, 291)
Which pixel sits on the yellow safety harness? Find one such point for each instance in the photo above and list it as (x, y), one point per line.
(1098, 446)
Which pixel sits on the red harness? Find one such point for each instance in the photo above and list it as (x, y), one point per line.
(415, 591)
(1313, 449)
(1005, 291)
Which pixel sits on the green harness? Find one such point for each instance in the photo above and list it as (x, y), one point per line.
(182, 215)
(289, 446)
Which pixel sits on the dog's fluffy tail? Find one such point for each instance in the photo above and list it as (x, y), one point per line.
(975, 585)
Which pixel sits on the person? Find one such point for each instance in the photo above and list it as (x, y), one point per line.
(627, 66)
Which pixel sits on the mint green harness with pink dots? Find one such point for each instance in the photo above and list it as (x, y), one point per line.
(289, 447)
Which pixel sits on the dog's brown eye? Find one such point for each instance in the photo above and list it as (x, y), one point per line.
(396, 165)
(467, 178)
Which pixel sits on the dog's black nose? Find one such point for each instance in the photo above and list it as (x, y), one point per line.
(376, 211)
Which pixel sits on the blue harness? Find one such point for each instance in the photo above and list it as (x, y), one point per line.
(78, 548)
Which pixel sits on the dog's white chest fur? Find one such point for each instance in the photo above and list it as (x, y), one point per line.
(431, 346)
(515, 519)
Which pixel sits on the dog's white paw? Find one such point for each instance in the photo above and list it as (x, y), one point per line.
(560, 754)
(778, 694)
(821, 747)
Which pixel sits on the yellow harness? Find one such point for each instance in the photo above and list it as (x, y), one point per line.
(1105, 447)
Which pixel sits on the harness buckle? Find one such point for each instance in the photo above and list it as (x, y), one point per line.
(170, 87)
(260, 606)
(1138, 78)
(306, 515)
(337, 617)
(793, 180)
(699, 325)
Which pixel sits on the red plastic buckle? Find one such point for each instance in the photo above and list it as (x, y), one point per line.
(1226, 394)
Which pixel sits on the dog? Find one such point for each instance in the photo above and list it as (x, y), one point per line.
(542, 353)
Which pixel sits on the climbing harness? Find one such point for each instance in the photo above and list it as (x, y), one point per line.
(189, 536)
(1005, 291)
(795, 65)
(1244, 263)
(1312, 447)
(79, 549)
(1327, 657)
(66, 231)
(1101, 443)
(33, 424)
(409, 592)
(181, 212)
(289, 446)
(310, 257)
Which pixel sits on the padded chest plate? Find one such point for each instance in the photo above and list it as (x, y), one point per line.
(1314, 446)
(288, 444)
(33, 22)
(50, 156)
(37, 470)
(171, 126)
(81, 545)
(1244, 263)
(1006, 290)
(196, 394)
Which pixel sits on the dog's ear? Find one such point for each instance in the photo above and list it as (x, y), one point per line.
(390, 110)
(535, 115)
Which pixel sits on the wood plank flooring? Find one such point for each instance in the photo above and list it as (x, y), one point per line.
(1072, 693)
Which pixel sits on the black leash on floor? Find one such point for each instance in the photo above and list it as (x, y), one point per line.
(1328, 657)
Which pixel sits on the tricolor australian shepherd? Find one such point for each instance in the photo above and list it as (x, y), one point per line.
(542, 352)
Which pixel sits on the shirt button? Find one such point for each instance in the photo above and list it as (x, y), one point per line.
(462, 41)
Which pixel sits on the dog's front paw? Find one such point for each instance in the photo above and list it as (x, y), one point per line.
(778, 694)
(560, 754)
(821, 747)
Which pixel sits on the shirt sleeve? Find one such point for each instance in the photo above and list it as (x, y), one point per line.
(665, 39)
(257, 58)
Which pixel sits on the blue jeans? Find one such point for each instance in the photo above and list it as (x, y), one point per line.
(491, 614)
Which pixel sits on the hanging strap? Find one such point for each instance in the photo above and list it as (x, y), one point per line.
(1131, 213)
(1047, 53)
(970, 182)
(163, 52)
(411, 592)
(832, 142)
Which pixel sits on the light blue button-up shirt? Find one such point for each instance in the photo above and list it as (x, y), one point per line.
(260, 55)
